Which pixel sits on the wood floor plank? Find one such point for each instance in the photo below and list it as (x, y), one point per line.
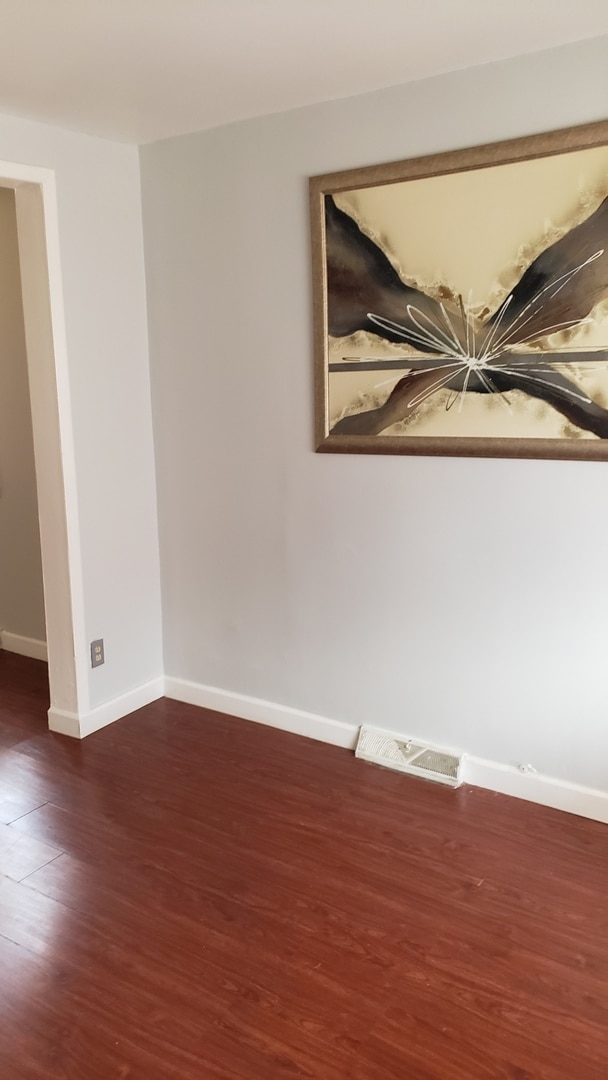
(229, 901)
(21, 855)
(15, 802)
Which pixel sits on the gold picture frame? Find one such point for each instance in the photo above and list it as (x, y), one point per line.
(461, 301)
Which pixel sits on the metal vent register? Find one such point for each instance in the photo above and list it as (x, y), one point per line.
(394, 752)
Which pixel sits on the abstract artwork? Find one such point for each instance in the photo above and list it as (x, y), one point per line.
(461, 301)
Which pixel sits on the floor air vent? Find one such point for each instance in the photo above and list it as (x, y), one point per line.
(394, 752)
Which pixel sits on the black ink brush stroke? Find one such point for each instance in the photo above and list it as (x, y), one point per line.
(361, 279)
(549, 298)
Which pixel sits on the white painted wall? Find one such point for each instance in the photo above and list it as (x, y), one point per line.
(458, 600)
(100, 237)
(21, 594)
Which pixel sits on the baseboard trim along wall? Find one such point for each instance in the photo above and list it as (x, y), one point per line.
(78, 727)
(506, 779)
(25, 646)
(263, 712)
(536, 787)
(494, 775)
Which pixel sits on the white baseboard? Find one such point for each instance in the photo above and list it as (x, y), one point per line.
(79, 726)
(25, 646)
(506, 779)
(64, 723)
(537, 788)
(263, 712)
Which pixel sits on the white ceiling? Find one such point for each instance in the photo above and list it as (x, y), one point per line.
(138, 70)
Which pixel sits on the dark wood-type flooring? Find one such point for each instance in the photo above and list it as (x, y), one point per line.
(186, 895)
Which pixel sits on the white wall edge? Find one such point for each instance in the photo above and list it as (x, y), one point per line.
(25, 646)
(536, 787)
(48, 189)
(79, 726)
(263, 712)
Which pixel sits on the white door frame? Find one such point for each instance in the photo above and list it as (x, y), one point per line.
(47, 361)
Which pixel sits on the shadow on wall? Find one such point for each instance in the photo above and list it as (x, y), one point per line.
(22, 618)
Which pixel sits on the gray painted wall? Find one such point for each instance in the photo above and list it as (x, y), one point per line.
(21, 594)
(458, 600)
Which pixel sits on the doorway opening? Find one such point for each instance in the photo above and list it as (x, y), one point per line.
(59, 609)
(22, 621)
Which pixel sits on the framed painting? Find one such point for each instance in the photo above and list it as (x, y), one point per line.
(461, 301)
